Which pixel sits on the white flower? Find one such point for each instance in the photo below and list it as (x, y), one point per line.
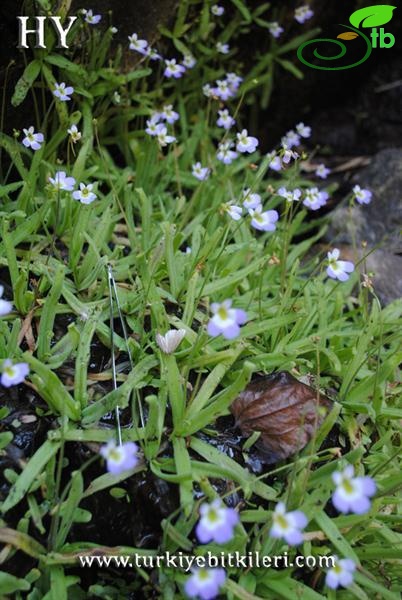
(152, 53)
(137, 44)
(5, 306)
(288, 525)
(234, 211)
(32, 140)
(200, 172)
(163, 138)
(222, 48)
(120, 458)
(169, 342)
(207, 90)
(13, 374)
(217, 10)
(61, 182)
(91, 18)
(341, 574)
(85, 194)
(74, 134)
(289, 195)
(339, 269)
(189, 61)
(116, 97)
(113, 30)
(251, 200)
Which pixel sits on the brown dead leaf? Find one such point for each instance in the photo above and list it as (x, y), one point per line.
(285, 411)
(348, 35)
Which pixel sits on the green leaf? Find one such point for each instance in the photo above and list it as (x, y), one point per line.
(372, 16)
(30, 474)
(25, 82)
(10, 584)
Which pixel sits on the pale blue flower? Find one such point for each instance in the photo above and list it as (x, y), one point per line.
(85, 194)
(288, 525)
(245, 142)
(322, 171)
(205, 583)
(217, 10)
(5, 306)
(251, 200)
(226, 320)
(275, 29)
(32, 140)
(217, 523)
(339, 269)
(63, 92)
(263, 221)
(225, 119)
(137, 45)
(225, 154)
(200, 172)
(341, 573)
(60, 181)
(303, 130)
(352, 493)
(303, 14)
(13, 374)
(362, 196)
(173, 69)
(169, 114)
(120, 458)
(91, 18)
(222, 48)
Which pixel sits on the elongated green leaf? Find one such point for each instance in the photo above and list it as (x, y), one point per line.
(25, 82)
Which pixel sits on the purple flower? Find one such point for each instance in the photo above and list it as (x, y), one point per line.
(303, 14)
(338, 269)
(223, 89)
(263, 221)
(169, 114)
(341, 574)
(235, 212)
(251, 200)
(217, 523)
(362, 196)
(303, 130)
(85, 194)
(5, 306)
(173, 69)
(288, 525)
(288, 154)
(352, 493)
(61, 182)
(222, 48)
(275, 29)
(91, 18)
(62, 92)
(234, 80)
(275, 162)
(137, 45)
(225, 154)
(32, 140)
(322, 171)
(291, 139)
(120, 458)
(205, 583)
(13, 374)
(289, 195)
(225, 119)
(152, 53)
(200, 172)
(245, 142)
(315, 199)
(217, 10)
(226, 320)
(154, 128)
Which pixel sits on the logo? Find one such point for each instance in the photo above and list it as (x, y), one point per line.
(371, 17)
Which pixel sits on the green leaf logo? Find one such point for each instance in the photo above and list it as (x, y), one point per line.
(372, 16)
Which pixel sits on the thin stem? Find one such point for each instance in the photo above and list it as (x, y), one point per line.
(117, 410)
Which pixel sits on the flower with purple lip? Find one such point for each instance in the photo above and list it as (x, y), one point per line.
(322, 171)
(288, 525)
(315, 199)
(235, 212)
(205, 583)
(13, 374)
(225, 154)
(169, 114)
(200, 172)
(173, 69)
(352, 493)
(217, 10)
(263, 221)
(225, 120)
(303, 130)
(341, 573)
(303, 14)
(226, 320)
(339, 269)
(289, 195)
(246, 142)
(60, 181)
(120, 458)
(275, 162)
(91, 18)
(5, 306)
(251, 200)
(222, 48)
(63, 92)
(85, 194)
(275, 29)
(137, 45)
(32, 140)
(362, 196)
(217, 523)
